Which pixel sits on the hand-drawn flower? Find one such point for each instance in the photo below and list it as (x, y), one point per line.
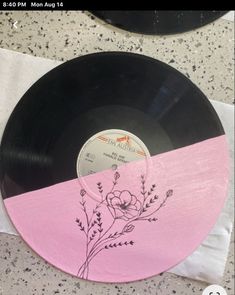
(121, 205)
(125, 205)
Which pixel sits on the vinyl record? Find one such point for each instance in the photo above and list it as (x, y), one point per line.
(160, 22)
(101, 142)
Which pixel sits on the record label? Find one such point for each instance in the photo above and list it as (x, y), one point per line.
(109, 149)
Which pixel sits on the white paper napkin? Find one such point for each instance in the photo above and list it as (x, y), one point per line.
(229, 16)
(19, 71)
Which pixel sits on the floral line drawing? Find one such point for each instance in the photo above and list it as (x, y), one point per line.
(123, 206)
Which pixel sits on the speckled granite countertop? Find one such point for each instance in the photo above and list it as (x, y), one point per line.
(204, 55)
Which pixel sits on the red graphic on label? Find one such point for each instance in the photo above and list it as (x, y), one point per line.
(124, 138)
(102, 138)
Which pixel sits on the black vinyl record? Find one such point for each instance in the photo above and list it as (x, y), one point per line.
(86, 95)
(158, 21)
(110, 159)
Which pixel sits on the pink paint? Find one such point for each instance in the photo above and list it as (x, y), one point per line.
(198, 176)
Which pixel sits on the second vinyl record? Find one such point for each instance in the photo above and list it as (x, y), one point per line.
(158, 22)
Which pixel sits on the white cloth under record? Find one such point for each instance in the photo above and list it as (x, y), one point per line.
(19, 71)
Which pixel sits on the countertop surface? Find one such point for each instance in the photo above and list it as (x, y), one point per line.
(204, 55)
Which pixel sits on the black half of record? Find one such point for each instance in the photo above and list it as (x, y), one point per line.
(89, 94)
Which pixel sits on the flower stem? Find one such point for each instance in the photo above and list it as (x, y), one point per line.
(158, 208)
(100, 238)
